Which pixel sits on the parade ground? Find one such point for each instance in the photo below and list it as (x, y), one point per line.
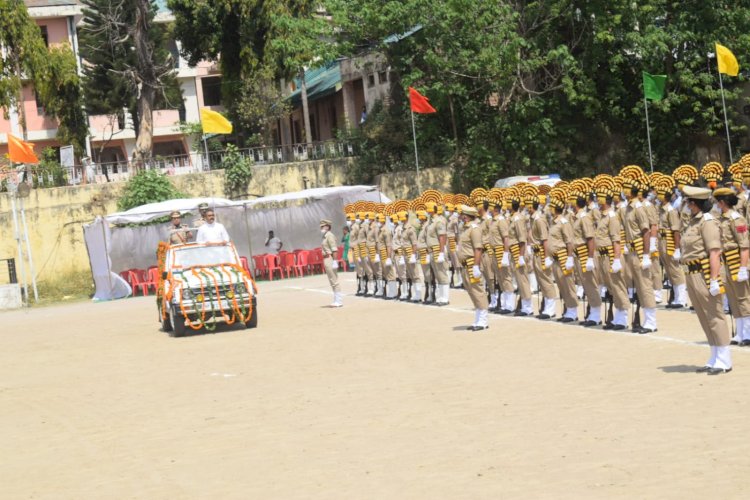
(374, 400)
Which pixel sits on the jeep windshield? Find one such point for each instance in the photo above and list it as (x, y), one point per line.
(210, 255)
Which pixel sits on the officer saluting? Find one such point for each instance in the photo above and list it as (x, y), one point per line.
(178, 233)
(701, 252)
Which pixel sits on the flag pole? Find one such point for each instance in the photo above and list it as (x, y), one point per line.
(648, 133)
(726, 122)
(416, 153)
(208, 157)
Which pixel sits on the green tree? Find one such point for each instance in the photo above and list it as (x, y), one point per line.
(237, 172)
(128, 65)
(147, 186)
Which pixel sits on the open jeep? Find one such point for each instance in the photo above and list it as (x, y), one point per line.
(203, 284)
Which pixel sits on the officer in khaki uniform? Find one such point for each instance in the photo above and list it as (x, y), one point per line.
(368, 286)
(609, 249)
(583, 240)
(413, 269)
(517, 240)
(542, 262)
(399, 260)
(499, 229)
(486, 265)
(425, 257)
(701, 252)
(388, 266)
(470, 249)
(638, 238)
(372, 251)
(330, 247)
(652, 213)
(560, 244)
(178, 232)
(202, 208)
(358, 268)
(670, 225)
(735, 253)
(437, 242)
(453, 233)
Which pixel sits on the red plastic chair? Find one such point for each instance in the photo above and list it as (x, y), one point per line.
(302, 263)
(139, 279)
(288, 262)
(273, 264)
(245, 265)
(315, 260)
(341, 259)
(260, 266)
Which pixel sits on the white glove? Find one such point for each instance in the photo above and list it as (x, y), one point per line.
(742, 274)
(428, 259)
(646, 262)
(334, 265)
(654, 246)
(569, 263)
(388, 262)
(506, 259)
(625, 250)
(677, 255)
(475, 272)
(401, 261)
(616, 266)
(440, 258)
(377, 257)
(359, 259)
(548, 262)
(714, 289)
(521, 261)
(589, 264)
(413, 259)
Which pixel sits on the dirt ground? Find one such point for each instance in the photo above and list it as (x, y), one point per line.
(374, 400)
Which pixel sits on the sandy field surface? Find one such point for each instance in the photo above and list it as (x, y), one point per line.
(374, 400)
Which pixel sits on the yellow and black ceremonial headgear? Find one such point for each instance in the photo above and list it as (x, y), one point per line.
(735, 171)
(685, 175)
(478, 198)
(712, 172)
(605, 187)
(557, 196)
(745, 164)
(634, 179)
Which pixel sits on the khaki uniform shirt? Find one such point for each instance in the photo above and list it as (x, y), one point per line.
(410, 236)
(733, 231)
(372, 235)
(702, 234)
(635, 221)
(470, 239)
(607, 229)
(517, 229)
(385, 239)
(329, 244)
(539, 228)
(583, 228)
(364, 228)
(498, 229)
(669, 218)
(560, 234)
(199, 222)
(397, 240)
(179, 237)
(485, 225)
(422, 236)
(354, 234)
(437, 227)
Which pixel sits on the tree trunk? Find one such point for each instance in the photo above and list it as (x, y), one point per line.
(453, 120)
(148, 82)
(305, 109)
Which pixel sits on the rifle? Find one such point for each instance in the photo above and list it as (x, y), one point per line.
(610, 310)
(636, 323)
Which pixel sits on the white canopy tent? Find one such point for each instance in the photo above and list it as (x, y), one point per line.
(131, 243)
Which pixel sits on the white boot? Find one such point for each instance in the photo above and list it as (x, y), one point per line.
(723, 357)
(746, 328)
(595, 314)
(404, 291)
(337, 299)
(650, 319)
(602, 291)
(579, 292)
(459, 279)
(392, 289)
(682, 295)
(476, 319)
(533, 282)
(510, 301)
(739, 326)
(550, 307)
(631, 293)
(620, 317)
(712, 359)
(571, 312)
(526, 307)
(493, 300)
(417, 289)
(726, 303)
(482, 321)
(444, 293)
(657, 296)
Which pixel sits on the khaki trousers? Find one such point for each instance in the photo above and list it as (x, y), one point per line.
(377, 269)
(590, 284)
(522, 280)
(627, 275)
(426, 273)
(672, 268)
(400, 268)
(389, 272)
(656, 273)
(614, 282)
(413, 272)
(642, 281)
(738, 295)
(544, 278)
(709, 309)
(486, 266)
(333, 277)
(440, 272)
(476, 291)
(566, 285)
(359, 269)
(367, 268)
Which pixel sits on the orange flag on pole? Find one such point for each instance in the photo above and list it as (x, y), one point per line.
(20, 151)
(419, 103)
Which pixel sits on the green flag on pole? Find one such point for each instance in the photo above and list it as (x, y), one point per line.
(653, 86)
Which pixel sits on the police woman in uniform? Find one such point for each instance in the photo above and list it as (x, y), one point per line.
(330, 247)
(734, 243)
(701, 252)
(470, 248)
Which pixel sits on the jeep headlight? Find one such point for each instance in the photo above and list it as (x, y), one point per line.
(240, 288)
(187, 294)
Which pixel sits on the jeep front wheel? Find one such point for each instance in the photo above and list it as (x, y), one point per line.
(178, 322)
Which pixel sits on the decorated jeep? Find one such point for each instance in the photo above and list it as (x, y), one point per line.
(202, 284)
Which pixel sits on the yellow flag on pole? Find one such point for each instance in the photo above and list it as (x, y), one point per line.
(214, 123)
(727, 62)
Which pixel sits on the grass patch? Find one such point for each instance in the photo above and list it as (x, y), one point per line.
(68, 287)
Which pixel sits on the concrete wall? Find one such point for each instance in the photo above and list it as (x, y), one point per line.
(403, 185)
(55, 216)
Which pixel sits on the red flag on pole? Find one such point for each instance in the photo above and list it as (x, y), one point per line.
(20, 151)
(419, 103)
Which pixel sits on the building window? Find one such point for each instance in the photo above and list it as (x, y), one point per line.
(39, 107)
(175, 52)
(211, 91)
(383, 77)
(45, 36)
(371, 80)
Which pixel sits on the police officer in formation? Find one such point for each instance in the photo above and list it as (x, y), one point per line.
(618, 239)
